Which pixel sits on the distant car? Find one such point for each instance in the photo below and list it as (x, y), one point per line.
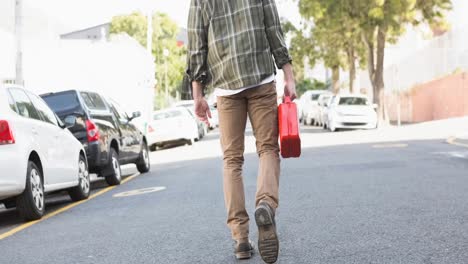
(325, 108)
(38, 154)
(351, 111)
(171, 126)
(322, 108)
(190, 105)
(214, 120)
(309, 106)
(105, 130)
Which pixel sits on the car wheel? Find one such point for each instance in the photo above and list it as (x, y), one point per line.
(9, 203)
(143, 164)
(153, 147)
(81, 192)
(113, 173)
(30, 203)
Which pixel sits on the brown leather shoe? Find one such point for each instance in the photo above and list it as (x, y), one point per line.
(244, 250)
(268, 244)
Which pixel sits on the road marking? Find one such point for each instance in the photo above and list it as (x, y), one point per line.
(453, 154)
(63, 209)
(140, 191)
(391, 145)
(453, 141)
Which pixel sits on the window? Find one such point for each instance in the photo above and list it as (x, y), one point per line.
(93, 101)
(353, 101)
(24, 106)
(12, 104)
(175, 114)
(315, 97)
(160, 116)
(63, 102)
(119, 112)
(47, 114)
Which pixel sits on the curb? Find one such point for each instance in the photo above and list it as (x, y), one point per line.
(457, 142)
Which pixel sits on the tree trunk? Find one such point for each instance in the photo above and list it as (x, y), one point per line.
(352, 69)
(379, 76)
(369, 41)
(336, 79)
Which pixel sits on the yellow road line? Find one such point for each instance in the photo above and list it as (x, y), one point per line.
(63, 209)
(453, 141)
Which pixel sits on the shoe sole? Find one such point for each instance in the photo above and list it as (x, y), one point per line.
(268, 244)
(244, 255)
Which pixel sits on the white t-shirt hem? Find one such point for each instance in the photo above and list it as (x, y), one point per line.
(225, 92)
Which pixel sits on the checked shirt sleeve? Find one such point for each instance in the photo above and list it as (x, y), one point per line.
(197, 43)
(275, 34)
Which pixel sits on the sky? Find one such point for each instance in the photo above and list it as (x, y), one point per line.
(78, 14)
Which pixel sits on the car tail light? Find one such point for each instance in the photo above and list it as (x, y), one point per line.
(92, 131)
(150, 129)
(6, 135)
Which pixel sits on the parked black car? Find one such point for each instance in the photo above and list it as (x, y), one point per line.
(106, 132)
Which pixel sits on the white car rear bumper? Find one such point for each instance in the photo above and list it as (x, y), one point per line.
(12, 173)
(357, 122)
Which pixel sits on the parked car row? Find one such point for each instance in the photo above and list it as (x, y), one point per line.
(334, 112)
(53, 143)
(180, 125)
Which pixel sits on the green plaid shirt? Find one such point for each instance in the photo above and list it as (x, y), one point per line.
(231, 42)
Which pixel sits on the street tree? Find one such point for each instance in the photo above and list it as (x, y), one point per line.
(335, 37)
(169, 68)
(384, 21)
(349, 24)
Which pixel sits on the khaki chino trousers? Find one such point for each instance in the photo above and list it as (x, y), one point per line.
(260, 105)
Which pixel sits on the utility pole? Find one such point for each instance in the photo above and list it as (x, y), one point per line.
(19, 41)
(166, 56)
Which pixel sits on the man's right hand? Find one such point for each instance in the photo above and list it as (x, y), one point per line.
(202, 109)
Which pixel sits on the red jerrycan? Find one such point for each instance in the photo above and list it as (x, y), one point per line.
(290, 141)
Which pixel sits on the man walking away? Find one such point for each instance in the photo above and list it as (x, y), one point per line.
(231, 48)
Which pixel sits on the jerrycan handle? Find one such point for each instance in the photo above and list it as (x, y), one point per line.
(287, 100)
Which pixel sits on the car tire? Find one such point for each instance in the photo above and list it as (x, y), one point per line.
(30, 204)
(143, 163)
(9, 203)
(81, 192)
(113, 173)
(153, 147)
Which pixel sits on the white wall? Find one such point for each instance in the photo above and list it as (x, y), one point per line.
(7, 56)
(120, 69)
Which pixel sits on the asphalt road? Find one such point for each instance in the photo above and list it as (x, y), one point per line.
(401, 202)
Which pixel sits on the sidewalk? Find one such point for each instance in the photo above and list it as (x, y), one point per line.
(434, 130)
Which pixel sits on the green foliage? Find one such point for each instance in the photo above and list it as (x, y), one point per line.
(164, 37)
(307, 84)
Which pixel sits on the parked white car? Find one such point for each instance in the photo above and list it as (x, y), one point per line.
(38, 154)
(171, 126)
(325, 109)
(190, 105)
(214, 120)
(322, 108)
(351, 111)
(309, 106)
